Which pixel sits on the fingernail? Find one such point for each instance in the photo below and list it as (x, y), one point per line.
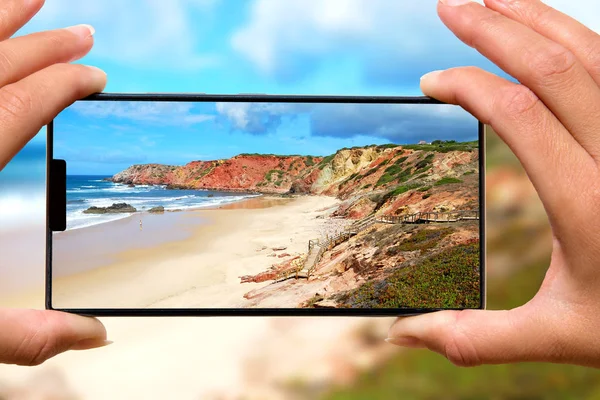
(406, 341)
(432, 74)
(96, 70)
(89, 344)
(454, 3)
(84, 30)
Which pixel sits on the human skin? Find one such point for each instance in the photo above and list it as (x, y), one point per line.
(37, 81)
(551, 121)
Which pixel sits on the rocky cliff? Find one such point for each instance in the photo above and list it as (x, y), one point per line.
(388, 179)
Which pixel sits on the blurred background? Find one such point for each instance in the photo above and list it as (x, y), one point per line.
(293, 46)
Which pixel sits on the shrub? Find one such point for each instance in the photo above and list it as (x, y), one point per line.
(269, 175)
(447, 181)
(326, 161)
(449, 279)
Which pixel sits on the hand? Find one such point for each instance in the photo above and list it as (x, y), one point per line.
(36, 83)
(551, 121)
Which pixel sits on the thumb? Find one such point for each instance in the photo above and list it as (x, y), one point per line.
(474, 337)
(30, 337)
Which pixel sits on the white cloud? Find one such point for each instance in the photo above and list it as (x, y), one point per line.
(258, 118)
(283, 35)
(159, 113)
(139, 33)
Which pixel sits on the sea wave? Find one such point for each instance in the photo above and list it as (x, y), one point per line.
(76, 219)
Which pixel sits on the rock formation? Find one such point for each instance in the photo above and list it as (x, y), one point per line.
(117, 208)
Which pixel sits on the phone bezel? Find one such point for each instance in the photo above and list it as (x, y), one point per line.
(264, 312)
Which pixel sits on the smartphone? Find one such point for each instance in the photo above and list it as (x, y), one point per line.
(239, 205)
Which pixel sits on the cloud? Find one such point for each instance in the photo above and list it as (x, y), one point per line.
(398, 123)
(392, 41)
(157, 113)
(139, 33)
(259, 118)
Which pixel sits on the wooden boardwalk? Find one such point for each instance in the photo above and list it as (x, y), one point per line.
(317, 247)
(429, 217)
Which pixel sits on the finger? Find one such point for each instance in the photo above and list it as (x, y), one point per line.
(16, 13)
(22, 56)
(532, 132)
(30, 337)
(556, 26)
(26, 106)
(474, 337)
(550, 70)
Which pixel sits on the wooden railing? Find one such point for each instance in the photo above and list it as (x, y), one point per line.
(427, 217)
(318, 247)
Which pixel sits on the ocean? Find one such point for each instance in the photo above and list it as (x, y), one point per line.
(85, 191)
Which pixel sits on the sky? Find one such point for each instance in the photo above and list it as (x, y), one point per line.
(104, 138)
(343, 47)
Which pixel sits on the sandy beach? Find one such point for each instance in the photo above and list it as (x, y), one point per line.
(191, 259)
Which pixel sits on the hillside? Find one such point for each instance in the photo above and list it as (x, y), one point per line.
(390, 179)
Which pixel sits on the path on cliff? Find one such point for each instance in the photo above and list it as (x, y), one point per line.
(314, 256)
(318, 247)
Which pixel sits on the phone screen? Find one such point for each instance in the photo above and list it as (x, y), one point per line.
(268, 205)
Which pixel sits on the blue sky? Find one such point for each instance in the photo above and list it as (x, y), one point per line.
(345, 47)
(103, 138)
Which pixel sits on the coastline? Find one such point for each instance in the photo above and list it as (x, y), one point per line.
(126, 227)
(196, 259)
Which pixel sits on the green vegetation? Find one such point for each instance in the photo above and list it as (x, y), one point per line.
(381, 200)
(401, 160)
(444, 146)
(388, 146)
(424, 240)
(203, 173)
(426, 196)
(309, 161)
(279, 182)
(368, 185)
(326, 161)
(449, 279)
(425, 188)
(260, 155)
(426, 162)
(278, 175)
(385, 179)
(371, 171)
(447, 181)
(402, 189)
(395, 172)
(469, 173)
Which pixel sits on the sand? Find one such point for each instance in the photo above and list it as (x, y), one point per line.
(190, 259)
